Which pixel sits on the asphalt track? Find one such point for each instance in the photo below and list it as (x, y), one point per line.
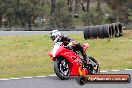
(28, 33)
(55, 82)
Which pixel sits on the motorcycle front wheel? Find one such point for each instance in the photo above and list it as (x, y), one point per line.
(91, 68)
(61, 68)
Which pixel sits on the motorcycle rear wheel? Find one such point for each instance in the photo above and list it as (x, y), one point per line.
(62, 69)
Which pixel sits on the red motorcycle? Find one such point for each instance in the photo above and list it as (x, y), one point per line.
(70, 63)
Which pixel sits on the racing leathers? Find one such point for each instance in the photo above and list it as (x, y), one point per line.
(78, 47)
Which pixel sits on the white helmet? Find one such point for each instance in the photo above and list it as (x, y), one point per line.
(54, 34)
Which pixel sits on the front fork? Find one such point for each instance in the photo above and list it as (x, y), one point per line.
(89, 61)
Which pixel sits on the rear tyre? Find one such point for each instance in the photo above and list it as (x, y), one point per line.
(120, 29)
(91, 31)
(61, 68)
(113, 31)
(107, 30)
(96, 31)
(101, 31)
(85, 32)
(116, 29)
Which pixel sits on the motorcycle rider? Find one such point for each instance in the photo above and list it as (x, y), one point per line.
(56, 36)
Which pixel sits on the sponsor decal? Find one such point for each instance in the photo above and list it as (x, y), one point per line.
(104, 78)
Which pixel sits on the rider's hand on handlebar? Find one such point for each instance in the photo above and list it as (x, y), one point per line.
(69, 46)
(71, 43)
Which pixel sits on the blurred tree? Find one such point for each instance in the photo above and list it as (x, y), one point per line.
(93, 16)
(88, 3)
(99, 17)
(69, 4)
(20, 12)
(53, 6)
(61, 18)
(120, 10)
(24, 13)
(1, 13)
(76, 5)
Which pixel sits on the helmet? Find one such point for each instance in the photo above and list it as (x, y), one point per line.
(54, 34)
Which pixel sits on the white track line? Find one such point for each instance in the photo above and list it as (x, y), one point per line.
(15, 78)
(40, 76)
(30, 77)
(4, 79)
(115, 70)
(103, 71)
(128, 69)
(52, 75)
(27, 77)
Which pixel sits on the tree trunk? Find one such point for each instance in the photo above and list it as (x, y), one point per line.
(43, 2)
(53, 6)
(76, 5)
(69, 3)
(88, 2)
(99, 11)
(98, 5)
(0, 20)
(29, 25)
(83, 8)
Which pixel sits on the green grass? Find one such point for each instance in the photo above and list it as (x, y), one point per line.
(130, 17)
(77, 21)
(28, 55)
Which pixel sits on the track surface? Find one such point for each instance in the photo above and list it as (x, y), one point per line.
(24, 33)
(55, 82)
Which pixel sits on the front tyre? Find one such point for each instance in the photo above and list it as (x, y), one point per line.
(61, 68)
(94, 70)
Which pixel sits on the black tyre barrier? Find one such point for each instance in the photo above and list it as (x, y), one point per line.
(107, 30)
(101, 31)
(85, 32)
(96, 30)
(93, 32)
(115, 25)
(119, 25)
(112, 31)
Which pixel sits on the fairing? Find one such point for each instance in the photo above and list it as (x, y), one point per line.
(74, 59)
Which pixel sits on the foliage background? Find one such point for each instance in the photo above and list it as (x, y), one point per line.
(62, 14)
